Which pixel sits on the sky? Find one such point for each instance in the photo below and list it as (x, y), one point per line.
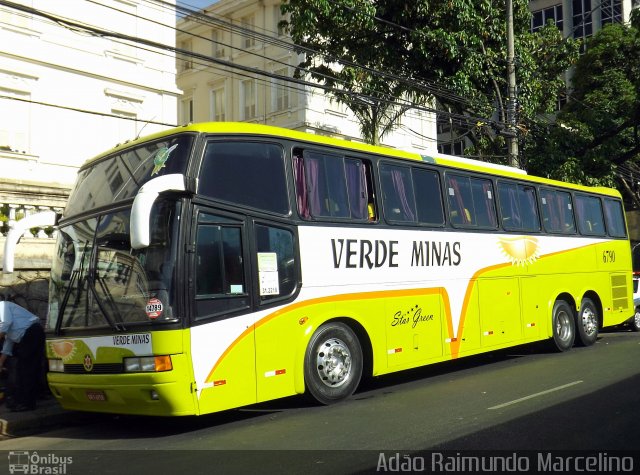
(197, 4)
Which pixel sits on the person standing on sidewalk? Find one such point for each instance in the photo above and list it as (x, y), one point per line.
(24, 341)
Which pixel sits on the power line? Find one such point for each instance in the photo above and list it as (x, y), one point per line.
(75, 26)
(85, 111)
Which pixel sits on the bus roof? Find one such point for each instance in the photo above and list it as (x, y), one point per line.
(242, 128)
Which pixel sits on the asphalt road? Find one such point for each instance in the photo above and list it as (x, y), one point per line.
(522, 401)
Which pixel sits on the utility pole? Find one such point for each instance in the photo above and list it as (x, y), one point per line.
(512, 136)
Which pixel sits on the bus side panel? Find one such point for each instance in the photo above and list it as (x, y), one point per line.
(224, 364)
(534, 324)
(414, 327)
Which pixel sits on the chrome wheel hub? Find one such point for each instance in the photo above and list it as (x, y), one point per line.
(333, 362)
(589, 321)
(563, 326)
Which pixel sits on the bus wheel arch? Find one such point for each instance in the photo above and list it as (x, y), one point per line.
(335, 360)
(588, 319)
(563, 324)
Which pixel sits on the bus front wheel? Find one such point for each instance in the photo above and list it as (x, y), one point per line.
(333, 363)
(587, 323)
(564, 326)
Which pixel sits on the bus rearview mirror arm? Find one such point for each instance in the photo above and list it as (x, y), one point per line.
(143, 202)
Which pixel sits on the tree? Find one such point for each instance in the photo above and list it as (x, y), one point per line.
(376, 54)
(596, 134)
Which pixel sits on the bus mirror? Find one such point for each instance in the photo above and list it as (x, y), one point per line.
(141, 210)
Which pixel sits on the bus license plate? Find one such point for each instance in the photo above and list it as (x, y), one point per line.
(96, 396)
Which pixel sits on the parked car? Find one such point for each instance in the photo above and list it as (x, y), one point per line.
(635, 321)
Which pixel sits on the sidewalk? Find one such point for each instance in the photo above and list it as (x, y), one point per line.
(47, 415)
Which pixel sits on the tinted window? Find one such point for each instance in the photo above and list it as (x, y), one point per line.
(589, 214)
(397, 193)
(428, 196)
(518, 208)
(245, 173)
(276, 262)
(471, 202)
(557, 211)
(614, 215)
(120, 176)
(219, 266)
(332, 186)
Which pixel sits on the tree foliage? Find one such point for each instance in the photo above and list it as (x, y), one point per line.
(376, 54)
(597, 132)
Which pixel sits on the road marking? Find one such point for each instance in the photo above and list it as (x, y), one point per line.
(531, 396)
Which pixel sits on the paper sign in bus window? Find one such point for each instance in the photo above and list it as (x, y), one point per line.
(268, 273)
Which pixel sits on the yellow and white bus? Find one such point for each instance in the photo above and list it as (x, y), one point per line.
(218, 265)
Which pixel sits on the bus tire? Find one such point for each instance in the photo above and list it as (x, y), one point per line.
(564, 326)
(587, 323)
(333, 363)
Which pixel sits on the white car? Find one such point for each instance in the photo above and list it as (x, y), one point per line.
(635, 321)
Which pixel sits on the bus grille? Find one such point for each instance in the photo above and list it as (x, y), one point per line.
(99, 368)
(619, 292)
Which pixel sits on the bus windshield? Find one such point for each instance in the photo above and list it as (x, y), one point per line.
(119, 177)
(98, 281)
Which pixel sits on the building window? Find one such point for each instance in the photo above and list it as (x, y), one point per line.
(218, 109)
(216, 42)
(540, 18)
(187, 110)
(248, 98)
(280, 91)
(582, 21)
(186, 60)
(451, 148)
(15, 121)
(610, 11)
(248, 23)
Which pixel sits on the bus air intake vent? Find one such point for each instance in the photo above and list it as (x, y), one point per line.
(619, 292)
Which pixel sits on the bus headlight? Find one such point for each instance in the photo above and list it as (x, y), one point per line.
(56, 366)
(147, 364)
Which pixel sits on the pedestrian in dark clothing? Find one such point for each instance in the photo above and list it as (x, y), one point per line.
(23, 341)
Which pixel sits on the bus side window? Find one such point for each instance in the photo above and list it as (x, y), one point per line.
(614, 216)
(332, 186)
(397, 191)
(460, 201)
(557, 211)
(219, 268)
(277, 266)
(518, 207)
(589, 214)
(426, 184)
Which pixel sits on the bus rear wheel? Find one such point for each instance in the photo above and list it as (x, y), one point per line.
(333, 363)
(587, 323)
(564, 326)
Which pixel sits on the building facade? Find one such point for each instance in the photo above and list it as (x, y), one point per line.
(68, 92)
(243, 35)
(580, 19)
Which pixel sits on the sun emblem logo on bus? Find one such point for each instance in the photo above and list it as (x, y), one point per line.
(87, 363)
(520, 250)
(63, 348)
